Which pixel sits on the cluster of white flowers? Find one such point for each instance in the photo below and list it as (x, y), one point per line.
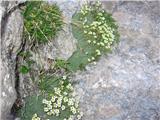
(85, 9)
(35, 117)
(98, 4)
(62, 100)
(98, 33)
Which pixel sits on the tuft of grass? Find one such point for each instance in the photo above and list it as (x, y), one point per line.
(96, 33)
(60, 64)
(42, 21)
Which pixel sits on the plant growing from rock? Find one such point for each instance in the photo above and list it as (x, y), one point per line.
(42, 21)
(96, 32)
(55, 102)
(26, 56)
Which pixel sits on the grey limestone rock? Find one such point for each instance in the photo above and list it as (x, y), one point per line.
(11, 32)
(125, 84)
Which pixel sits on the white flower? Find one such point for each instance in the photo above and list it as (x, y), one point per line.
(90, 33)
(76, 104)
(65, 93)
(100, 14)
(79, 117)
(89, 41)
(49, 107)
(52, 111)
(94, 33)
(89, 60)
(71, 117)
(49, 103)
(69, 86)
(74, 94)
(62, 82)
(65, 99)
(95, 36)
(57, 91)
(93, 58)
(102, 43)
(105, 41)
(103, 18)
(70, 101)
(49, 113)
(53, 99)
(98, 52)
(73, 110)
(46, 109)
(35, 117)
(57, 112)
(85, 31)
(55, 105)
(106, 47)
(86, 53)
(59, 103)
(44, 101)
(98, 4)
(62, 86)
(81, 113)
(63, 107)
(64, 77)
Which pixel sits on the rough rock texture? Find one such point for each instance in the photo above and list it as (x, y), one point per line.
(11, 31)
(125, 85)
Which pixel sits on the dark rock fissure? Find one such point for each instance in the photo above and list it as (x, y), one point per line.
(18, 103)
(7, 14)
(5, 17)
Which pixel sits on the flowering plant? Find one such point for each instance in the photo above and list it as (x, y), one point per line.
(59, 102)
(62, 100)
(95, 31)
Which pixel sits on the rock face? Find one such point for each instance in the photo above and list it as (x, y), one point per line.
(11, 32)
(125, 85)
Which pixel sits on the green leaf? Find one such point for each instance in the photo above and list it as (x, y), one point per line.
(24, 69)
(60, 64)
